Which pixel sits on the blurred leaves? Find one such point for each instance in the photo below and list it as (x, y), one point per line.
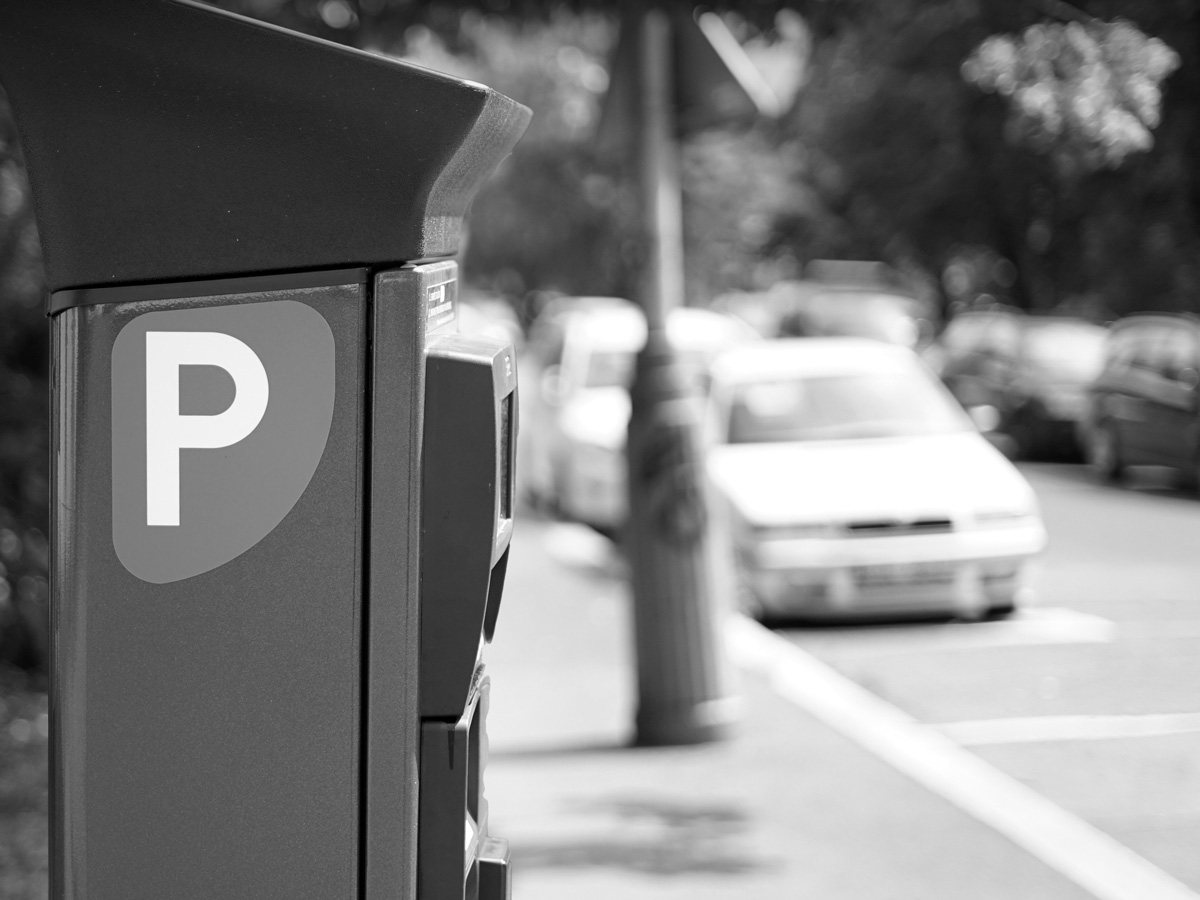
(24, 416)
(906, 159)
(24, 820)
(1086, 92)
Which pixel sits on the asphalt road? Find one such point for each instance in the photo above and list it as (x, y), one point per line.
(1092, 696)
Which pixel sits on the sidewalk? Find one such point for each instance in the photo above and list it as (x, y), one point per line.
(787, 808)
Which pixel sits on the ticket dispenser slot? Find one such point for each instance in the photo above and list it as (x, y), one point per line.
(467, 510)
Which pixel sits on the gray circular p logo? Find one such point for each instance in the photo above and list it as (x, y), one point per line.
(219, 419)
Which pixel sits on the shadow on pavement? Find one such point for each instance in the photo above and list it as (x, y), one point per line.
(556, 750)
(656, 836)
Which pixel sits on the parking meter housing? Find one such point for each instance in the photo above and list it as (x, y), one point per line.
(467, 516)
(246, 235)
(166, 141)
(467, 526)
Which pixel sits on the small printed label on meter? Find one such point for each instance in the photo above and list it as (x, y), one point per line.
(439, 305)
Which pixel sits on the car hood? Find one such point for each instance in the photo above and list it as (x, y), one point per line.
(833, 482)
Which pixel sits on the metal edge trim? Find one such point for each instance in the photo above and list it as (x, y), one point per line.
(175, 290)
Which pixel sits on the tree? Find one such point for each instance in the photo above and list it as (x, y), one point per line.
(913, 162)
(1086, 93)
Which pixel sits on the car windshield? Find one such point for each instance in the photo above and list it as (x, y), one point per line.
(1070, 350)
(837, 407)
(609, 368)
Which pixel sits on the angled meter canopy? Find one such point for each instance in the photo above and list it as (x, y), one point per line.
(167, 141)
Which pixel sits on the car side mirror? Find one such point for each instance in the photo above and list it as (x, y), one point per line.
(1188, 377)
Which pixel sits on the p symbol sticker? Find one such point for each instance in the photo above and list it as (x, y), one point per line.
(168, 432)
(219, 419)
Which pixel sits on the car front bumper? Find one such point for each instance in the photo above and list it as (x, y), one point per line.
(963, 573)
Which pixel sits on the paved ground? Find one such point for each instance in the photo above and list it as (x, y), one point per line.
(788, 807)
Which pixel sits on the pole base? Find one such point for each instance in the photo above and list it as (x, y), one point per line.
(681, 724)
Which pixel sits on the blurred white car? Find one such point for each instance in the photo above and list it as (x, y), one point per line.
(575, 398)
(490, 316)
(855, 484)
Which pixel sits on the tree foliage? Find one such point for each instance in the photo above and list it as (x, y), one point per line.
(1029, 193)
(1088, 93)
(24, 415)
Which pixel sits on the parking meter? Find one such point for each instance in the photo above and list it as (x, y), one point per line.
(281, 481)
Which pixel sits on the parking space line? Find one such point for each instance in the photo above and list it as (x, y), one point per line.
(1039, 729)
(1082, 853)
(1028, 627)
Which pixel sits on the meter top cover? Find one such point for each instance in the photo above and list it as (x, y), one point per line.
(166, 141)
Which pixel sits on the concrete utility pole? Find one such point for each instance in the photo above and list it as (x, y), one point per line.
(684, 695)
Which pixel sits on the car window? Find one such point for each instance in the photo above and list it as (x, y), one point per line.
(1064, 349)
(1122, 346)
(1146, 352)
(1003, 337)
(867, 405)
(964, 332)
(609, 368)
(546, 344)
(1176, 352)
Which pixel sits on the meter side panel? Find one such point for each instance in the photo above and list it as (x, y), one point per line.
(409, 304)
(207, 727)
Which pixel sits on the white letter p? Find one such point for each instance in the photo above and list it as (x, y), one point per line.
(167, 432)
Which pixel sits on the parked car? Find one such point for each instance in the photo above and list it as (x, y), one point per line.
(575, 407)
(491, 316)
(855, 485)
(813, 308)
(1023, 376)
(833, 311)
(1144, 407)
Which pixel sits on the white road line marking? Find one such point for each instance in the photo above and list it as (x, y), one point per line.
(1037, 729)
(1057, 624)
(1084, 854)
(1028, 627)
(1162, 629)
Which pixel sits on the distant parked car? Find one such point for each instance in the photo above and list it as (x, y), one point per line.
(1144, 408)
(807, 308)
(837, 311)
(575, 401)
(855, 485)
(492, 316)
(1028, 374)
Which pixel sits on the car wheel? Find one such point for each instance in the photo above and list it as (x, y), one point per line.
(1104, 452)
(1189, 478)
